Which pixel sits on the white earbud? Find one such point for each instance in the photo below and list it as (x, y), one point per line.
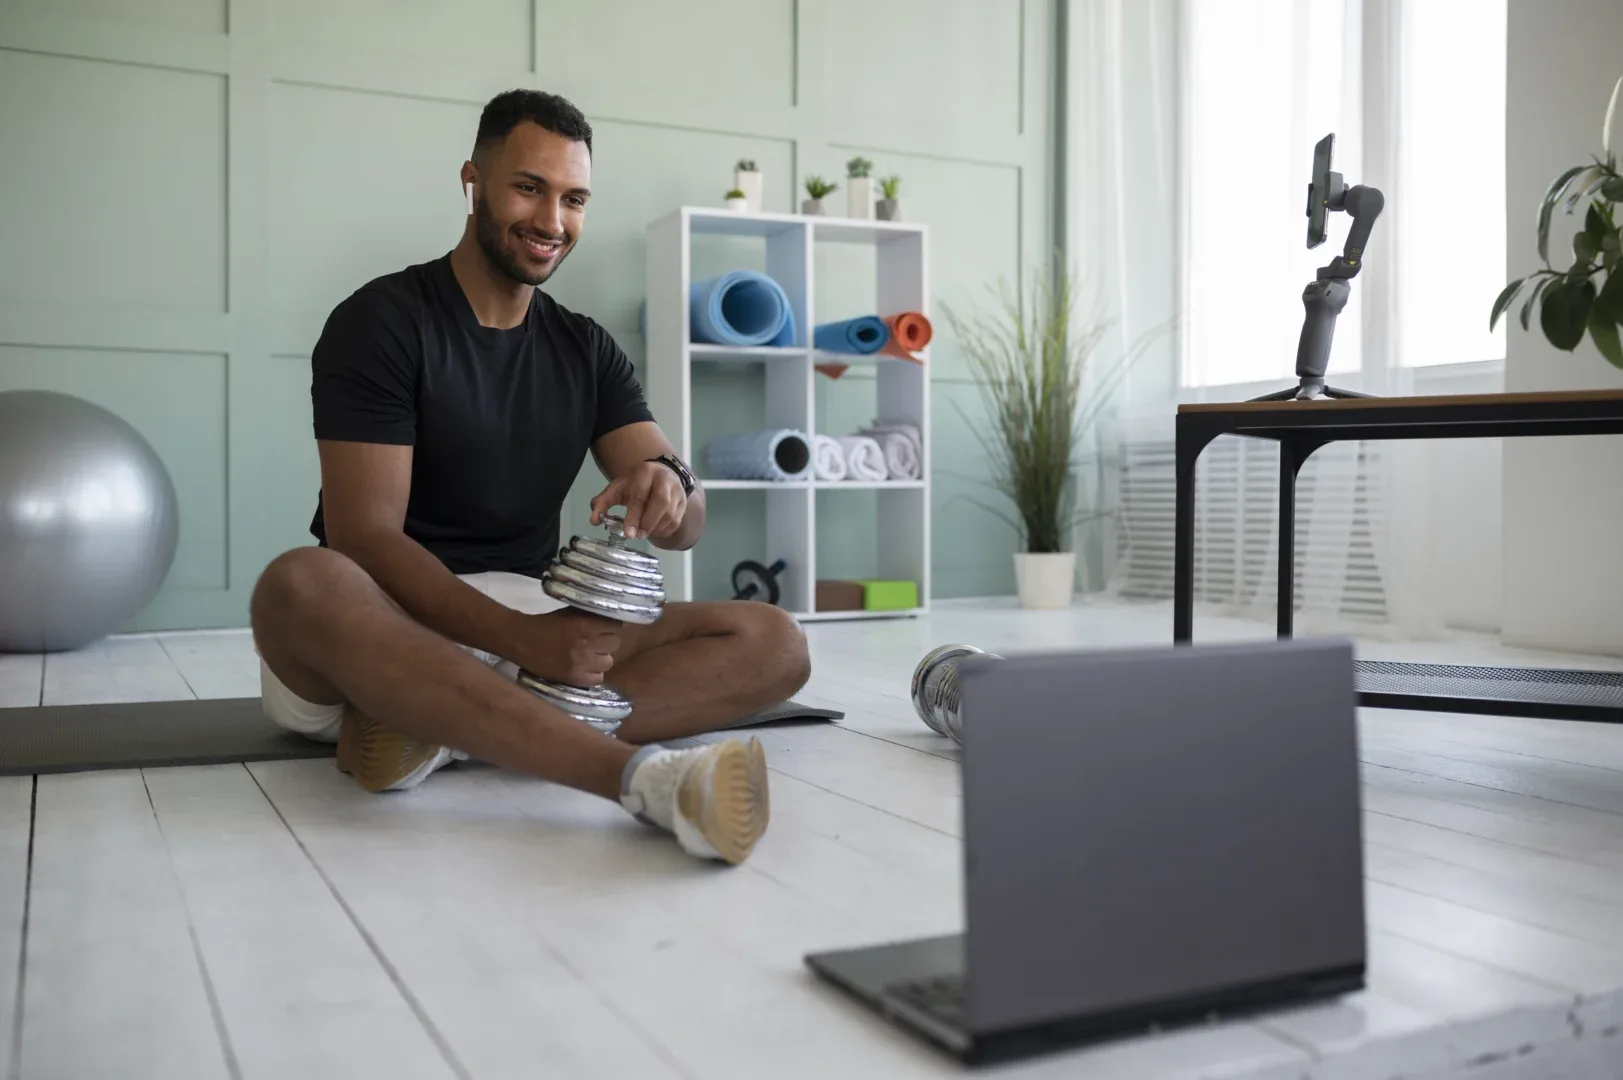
(469, 187)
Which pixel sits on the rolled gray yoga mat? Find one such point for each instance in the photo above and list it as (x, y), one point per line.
(152, 734)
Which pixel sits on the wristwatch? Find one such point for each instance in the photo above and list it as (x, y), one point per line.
(681, 471)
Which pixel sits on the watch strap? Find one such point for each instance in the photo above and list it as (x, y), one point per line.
(682, 474)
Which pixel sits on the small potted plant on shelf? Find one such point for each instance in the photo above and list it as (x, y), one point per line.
(859, 195)
(819, 189)
(890, 207)
(747, 178)
(1588, 294)
(737, 201)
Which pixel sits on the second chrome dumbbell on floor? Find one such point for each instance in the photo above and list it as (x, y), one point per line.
(935, 689)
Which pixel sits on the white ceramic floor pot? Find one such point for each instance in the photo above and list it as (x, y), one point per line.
(1046, 580)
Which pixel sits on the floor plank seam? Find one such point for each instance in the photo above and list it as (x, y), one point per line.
(1575, 998)
(232, 1066)
(649, 1039)
(859, 802)
(1512, 844)
(1407, 745)
(164, 647)
(15, 1066)
(1488, 787)
(412, 1002)
(942, 756)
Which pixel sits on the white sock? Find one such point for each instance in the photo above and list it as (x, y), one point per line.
(650, 794)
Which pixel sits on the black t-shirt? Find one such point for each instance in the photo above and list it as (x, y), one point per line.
(500, 421)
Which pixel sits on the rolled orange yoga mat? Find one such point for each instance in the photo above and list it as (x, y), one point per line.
(910, 331)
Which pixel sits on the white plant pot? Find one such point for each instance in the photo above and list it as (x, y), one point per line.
(750, 184)
(1046, 580)
(860, 192)
(738, 206)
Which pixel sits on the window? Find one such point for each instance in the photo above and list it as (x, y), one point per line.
(1264, 81)
(1451, 178)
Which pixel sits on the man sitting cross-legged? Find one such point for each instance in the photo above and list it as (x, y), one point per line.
(454, 404)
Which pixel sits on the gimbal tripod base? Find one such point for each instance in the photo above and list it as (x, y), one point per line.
(1308, 390)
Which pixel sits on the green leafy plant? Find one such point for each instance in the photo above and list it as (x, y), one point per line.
(1588, 294)
(1030, 362)
(889, 185)
(735, 194)
(858, 167)
(819, 188)
(746, 165)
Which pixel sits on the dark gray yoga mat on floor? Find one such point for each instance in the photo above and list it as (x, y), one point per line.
(149, 734)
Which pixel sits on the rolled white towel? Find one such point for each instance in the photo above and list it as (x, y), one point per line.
(864, 460)
(903, 446)
(828, 458)
(901, 454)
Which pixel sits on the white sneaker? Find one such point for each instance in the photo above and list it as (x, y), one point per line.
(714, 798)
(382, 759)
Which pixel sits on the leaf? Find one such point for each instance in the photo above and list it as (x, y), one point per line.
(1611, 116)
(1565, 312)
(1610, 300)
(1547, 208)
(1589, 182)
(1503, 301)
(1583, 249)
(1594, 224)
(1532, 298)
(1612, 190)
(1603, 331)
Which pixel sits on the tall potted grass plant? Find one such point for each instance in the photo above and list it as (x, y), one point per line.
(1031, 361)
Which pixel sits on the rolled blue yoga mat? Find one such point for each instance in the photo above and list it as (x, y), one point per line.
(863, 336)
(740, 308)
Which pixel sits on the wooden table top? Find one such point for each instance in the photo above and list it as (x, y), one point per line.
(1544, 397)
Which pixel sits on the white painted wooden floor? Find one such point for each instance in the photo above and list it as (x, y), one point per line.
(276, 921)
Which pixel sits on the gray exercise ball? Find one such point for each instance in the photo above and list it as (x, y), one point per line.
(88, 522)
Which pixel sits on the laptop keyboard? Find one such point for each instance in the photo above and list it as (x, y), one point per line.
(945, 997)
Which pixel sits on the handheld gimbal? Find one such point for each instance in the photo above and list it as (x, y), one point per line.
(1326, 296)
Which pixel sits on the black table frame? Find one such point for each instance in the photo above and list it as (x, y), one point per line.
(1301, 427)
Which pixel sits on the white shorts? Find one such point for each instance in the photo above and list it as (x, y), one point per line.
(321, 722)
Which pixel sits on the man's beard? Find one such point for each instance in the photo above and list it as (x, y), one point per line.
(491, 237)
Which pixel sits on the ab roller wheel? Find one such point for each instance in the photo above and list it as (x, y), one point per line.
(752, 581)
(603, 577)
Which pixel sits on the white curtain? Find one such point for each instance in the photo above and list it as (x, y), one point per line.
(1190, 126)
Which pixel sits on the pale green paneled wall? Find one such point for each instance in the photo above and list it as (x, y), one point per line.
(193, 184)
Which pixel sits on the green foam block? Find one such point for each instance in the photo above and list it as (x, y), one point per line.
(889, 595)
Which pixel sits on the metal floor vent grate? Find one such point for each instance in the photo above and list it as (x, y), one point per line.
(1574, 694)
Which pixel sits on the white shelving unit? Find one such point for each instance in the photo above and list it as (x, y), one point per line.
(791, 241)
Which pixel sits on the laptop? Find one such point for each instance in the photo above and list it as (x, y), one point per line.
(1152, 836)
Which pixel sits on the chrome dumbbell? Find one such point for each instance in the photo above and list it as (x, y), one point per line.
(935, 689)
(607, 578)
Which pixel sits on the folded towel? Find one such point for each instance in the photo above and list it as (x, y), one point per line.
(902, 445)
(901, 455)
(828, 458)
(864, 460)
(779, 454)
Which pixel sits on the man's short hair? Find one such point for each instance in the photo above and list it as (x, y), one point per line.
(510, 108)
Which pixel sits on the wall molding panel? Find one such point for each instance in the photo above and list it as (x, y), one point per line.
(187, 259)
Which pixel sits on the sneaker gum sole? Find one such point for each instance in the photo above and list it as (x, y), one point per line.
(736, 814)
(378, 757)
